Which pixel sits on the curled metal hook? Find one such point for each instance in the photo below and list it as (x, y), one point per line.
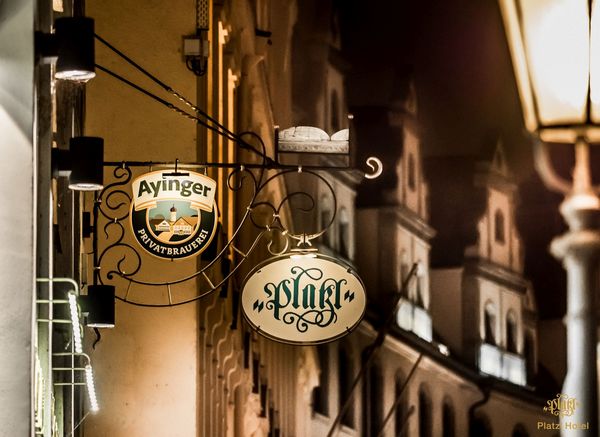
(376, 167)
(543, 165)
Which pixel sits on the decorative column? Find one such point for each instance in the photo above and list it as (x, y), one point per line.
(579, 250)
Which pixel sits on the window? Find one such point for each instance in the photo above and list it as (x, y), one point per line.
(489, 321)
(401, 411)
(403, 270)
(529, 351)
(511, 332)
(321, 392)
(334, 110)
(411, 173)
(448, 420)
(424, 414)
(346, 375)
(263, 18)
(480, 427)
(420, 284)
(325, 217)
(519, 431)
(344, 234)
(372, 400)
(499, 226)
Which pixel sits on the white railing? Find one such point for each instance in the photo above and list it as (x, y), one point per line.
(413, 318)
(502, 364)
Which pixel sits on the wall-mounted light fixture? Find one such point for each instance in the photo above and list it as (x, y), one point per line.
(75, 48)
(82, 163)
(71, 47)
(99, 306)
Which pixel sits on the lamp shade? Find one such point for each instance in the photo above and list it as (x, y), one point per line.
(87, 163)
(555, 50)
(99, 305)
(75, 39)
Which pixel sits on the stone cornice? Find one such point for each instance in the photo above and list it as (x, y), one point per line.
(413, 222)
(497, 273)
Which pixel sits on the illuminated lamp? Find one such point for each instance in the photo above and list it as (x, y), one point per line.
(555, 51)
(83, 163)
(87, 163)
(70, 47)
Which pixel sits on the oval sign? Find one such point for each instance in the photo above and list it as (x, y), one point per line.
(303, 299)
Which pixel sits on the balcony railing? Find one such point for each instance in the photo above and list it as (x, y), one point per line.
(413, 318)
(502, 364)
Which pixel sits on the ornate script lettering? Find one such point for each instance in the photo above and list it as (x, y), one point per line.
(306, 298)
(562, 405)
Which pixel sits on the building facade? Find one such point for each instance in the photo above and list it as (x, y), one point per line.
(181, 360)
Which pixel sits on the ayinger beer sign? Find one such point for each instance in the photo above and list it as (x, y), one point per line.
(173, 216)
(303, 298)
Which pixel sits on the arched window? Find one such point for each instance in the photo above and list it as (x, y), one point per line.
(420, 285)
(335, 112)
(321, 392)
(511, 332)
(448, 426)
(240, 402)
(401, 417)
(372, 404)
(499, 226)
(480, 426)
(326, 213)
(263, 18)
(519, 431)
(425, 425)
(346, 376)
(529, 352)
(344, 233)
(489, 322)
(402, 268)
(412, 184)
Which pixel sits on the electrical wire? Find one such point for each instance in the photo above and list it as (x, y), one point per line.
(218, 128)
(164, 102)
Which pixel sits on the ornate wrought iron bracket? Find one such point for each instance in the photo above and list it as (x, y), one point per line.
(140, 281)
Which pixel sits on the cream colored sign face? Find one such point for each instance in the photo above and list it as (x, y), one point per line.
(195, 188)
(302, 299)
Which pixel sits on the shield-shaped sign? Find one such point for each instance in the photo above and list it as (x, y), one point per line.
(173, 216)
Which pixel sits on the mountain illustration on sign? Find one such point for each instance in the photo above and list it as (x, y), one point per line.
(173, 221)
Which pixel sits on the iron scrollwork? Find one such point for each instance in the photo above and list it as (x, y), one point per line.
(118, 261)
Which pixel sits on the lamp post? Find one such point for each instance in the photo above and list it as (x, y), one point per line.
(555, 50)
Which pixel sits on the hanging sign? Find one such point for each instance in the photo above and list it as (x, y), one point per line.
(173, 216)
(303, 299)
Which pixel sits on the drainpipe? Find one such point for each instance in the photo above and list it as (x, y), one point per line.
(485, 389)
